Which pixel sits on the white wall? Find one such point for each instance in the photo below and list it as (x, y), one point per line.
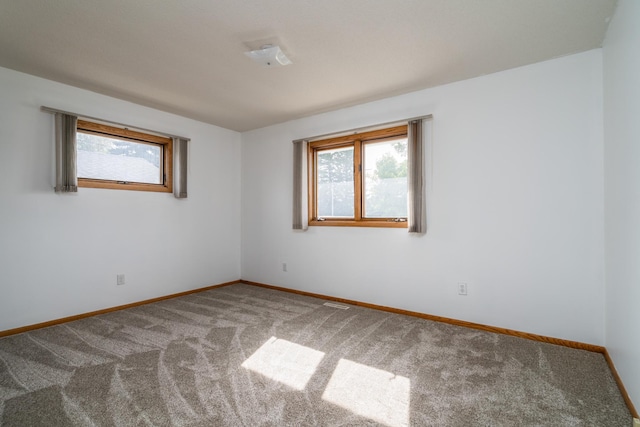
(622, 192)
(515, 206)
(59, 254)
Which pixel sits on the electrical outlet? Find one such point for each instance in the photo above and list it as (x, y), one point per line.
(462, 289)
(284, 267)
(120, 279)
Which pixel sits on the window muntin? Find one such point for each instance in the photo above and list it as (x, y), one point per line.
(111, 157)
(359, 180)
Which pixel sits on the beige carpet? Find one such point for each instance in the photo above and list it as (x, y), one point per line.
(247, 356)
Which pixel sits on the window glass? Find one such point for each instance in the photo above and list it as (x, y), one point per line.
(114, 159)
(335, 182)
(385, 179)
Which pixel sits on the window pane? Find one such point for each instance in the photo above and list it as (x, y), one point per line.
(385, 179)
(335, 183)
(118, 160)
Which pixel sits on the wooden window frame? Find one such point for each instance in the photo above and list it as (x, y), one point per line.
(356, 141)
(165, 144)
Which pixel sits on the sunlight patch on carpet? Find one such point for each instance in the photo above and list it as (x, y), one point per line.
(284, 361)
(373, 393)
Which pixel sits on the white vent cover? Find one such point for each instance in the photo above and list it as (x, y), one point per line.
(334, 305)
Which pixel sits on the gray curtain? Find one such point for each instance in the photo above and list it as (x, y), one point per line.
(415, 170)
(66, 167)
(180, 155)
(300, 217)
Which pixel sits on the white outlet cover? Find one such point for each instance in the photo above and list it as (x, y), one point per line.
(462, 289)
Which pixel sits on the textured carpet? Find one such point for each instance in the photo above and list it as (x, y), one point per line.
(247, 356)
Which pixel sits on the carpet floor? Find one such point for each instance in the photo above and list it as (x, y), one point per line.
(241, 355)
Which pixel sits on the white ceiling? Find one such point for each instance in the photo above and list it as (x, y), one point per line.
(186, 56)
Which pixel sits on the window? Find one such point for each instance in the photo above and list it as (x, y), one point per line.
(112, 157)
(359, 180)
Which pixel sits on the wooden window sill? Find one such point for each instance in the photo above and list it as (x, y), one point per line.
(361, 223)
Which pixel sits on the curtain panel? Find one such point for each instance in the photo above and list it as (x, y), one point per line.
(180, 155)
(66, 162)
(417, 221)
(300, 215)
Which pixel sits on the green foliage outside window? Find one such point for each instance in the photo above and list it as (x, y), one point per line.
(386, 185)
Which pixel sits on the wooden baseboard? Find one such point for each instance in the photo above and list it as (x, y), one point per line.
(623, 390)
(526, 335)
(107, 310)
(504, 331)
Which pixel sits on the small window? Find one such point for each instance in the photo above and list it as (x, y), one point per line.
(359, 180)
(111, 157)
